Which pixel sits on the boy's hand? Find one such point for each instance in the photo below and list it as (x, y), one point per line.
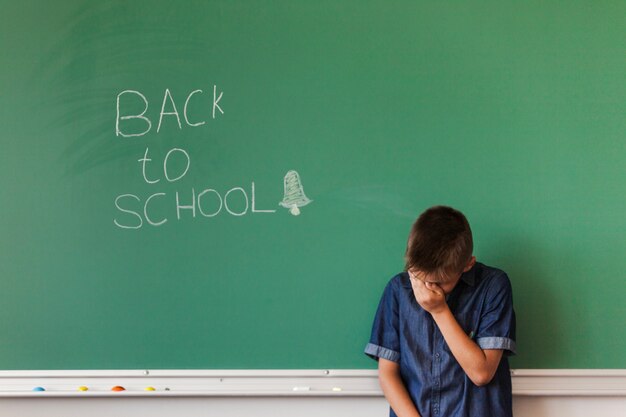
(428, 295)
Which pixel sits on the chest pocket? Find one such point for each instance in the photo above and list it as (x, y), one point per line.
(469, 323)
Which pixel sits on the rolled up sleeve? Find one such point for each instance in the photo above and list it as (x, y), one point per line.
(497, 322)
(384, 340)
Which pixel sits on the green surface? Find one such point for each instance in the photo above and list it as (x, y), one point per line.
(513, 112)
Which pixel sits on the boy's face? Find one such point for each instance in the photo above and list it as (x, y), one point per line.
(447, 282)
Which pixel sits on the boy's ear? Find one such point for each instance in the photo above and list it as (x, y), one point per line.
(470, 264)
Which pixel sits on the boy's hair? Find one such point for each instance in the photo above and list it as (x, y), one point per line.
(440, 242)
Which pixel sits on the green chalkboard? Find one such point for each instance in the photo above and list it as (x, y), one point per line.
(154, 153)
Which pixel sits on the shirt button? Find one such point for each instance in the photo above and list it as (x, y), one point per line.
(437, 355)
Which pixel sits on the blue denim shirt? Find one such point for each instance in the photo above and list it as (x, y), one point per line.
(404, 332)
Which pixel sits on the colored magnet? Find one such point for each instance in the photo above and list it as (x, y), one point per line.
(83, 388)
(118, 388)
(39, 389)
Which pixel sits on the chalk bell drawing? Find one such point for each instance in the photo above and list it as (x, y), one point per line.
(294, 197)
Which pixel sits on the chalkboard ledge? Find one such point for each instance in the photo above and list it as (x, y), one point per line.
(280, 383)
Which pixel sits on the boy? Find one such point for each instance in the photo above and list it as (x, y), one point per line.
(444, 328)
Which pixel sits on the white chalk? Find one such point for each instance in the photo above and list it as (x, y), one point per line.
(302, 388)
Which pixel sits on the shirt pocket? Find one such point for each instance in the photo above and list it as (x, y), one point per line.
(468, 320)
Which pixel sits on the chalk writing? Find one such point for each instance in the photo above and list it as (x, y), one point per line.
(129, 99)
(136, 211)
(210, 202)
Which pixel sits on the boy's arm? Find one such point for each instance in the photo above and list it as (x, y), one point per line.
(394, 389)
(479, 365)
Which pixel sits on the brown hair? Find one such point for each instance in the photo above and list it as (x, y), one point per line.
(440, 242)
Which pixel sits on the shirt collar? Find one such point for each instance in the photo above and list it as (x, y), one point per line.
(469, 277)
